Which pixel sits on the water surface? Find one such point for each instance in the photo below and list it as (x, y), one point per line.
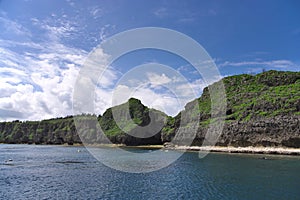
(60, 172)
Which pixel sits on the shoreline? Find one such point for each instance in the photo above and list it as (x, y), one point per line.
(242, 150)
(220, 149)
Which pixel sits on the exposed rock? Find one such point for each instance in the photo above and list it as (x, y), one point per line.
(262, 110)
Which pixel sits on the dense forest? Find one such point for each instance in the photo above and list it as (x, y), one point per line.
(262, 110)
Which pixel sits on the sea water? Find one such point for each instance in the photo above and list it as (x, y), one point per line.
(63, 172)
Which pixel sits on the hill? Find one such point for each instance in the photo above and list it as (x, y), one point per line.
(262, 110)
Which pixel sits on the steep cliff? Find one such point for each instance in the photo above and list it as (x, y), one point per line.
(262, 110)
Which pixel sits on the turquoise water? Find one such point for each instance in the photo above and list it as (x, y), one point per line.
(57, 172)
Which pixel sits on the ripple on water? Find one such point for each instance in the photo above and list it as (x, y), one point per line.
(51, 172)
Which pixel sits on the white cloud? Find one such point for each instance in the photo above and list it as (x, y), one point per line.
(281, 64)
(56, 32)
(161, 91)
(11, 70)
(96, 12)
(10, 43)
(57, 27)
(160, 101)
(38, 84)
(107, 79)
(6, 89)
(165, 102)
(42, 85)
(12, 27)
(188, 90)
(105, 31)
(158, 79)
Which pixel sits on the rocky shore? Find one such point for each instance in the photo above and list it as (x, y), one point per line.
(248, 150)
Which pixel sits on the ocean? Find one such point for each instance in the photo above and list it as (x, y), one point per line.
(71, 172)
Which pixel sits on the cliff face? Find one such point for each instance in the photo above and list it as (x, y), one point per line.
(54, 131)
(262, 110)
(273, 131)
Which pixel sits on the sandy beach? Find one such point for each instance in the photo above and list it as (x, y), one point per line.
(231, 149)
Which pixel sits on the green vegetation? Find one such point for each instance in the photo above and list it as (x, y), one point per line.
(267, 94)
(249, 97)
(138, 116)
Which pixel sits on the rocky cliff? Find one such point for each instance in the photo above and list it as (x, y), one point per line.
(262, 110)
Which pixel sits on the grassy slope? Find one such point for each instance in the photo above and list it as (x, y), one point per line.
(265, 95)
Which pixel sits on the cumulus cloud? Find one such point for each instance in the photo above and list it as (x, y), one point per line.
(43, 83)
(163, 91)
(165, 101)
(38, 82)
(41, 86)
(158, 79)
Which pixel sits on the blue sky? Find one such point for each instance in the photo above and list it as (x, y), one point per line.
(43, 45)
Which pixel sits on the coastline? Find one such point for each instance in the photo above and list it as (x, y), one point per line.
(246, 150)
(220, 149)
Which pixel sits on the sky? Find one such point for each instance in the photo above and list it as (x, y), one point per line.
(44, 44)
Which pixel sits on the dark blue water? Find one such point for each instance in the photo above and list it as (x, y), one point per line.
(57, 172)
